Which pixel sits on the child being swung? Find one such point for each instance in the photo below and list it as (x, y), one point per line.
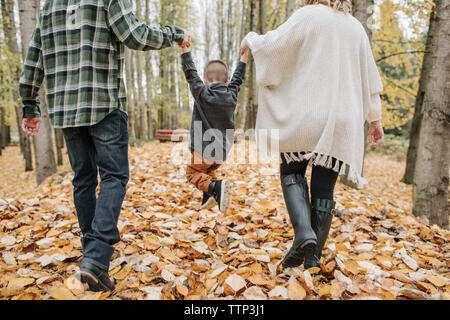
(212, 127)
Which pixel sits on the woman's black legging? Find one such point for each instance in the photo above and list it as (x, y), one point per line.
(323, 180)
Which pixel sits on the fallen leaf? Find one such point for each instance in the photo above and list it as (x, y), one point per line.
(236, 282)
(337, 288)
(19, 283)
(183, 290)
(437, 281)
(279, 292)
(254, 293)
(74, 285)
(62, 293)
(295, 290)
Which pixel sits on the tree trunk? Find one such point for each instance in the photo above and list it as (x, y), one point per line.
(221, 29)
(230, 34)
(11, 35)
(59, 142)
(290, 7)
(240, 110)
(207, 31)
(5, 132)
(148, 78)
(133, 91)
(362, 12)
(44, 157)
(142, 115)
(130, 97)
(427, 67)
(250, 116)
(43, 148)
(431, 180)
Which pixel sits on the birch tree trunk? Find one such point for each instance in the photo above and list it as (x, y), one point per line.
(427, 67)
(11, 35)
(130, 97)
(240, 111)
(362, 12)
(431, 180)
(231, 39)
(43, 148)
(148, 78)
(221, 29)
(250, 115)
(290, 7)
(207, 32)
(133, 91)
(141, 114)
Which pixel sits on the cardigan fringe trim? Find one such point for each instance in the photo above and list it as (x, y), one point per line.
(326, 161)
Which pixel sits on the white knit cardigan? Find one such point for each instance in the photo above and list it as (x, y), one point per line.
(318, 83)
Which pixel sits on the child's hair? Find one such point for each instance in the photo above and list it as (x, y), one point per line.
(216, 71)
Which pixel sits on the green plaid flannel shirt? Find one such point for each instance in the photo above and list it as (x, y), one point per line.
(78, 48)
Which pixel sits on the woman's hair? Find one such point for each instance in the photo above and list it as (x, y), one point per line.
(340, 5)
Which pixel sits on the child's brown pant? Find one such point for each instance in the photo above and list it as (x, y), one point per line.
(202, 173)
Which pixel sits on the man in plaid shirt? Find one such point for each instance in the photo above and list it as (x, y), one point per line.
(78, 48)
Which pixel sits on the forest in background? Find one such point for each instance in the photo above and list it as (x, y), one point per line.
(158, 95)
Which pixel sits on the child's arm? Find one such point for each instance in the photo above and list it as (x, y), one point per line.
(190, 71)
(239, 74)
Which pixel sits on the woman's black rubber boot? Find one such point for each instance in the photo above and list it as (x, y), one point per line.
(296, 196)
(321, 217)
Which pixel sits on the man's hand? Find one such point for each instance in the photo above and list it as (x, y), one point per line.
(244, 47)
(187, 40)
(376, 133)
(186, 48)
(31, 126)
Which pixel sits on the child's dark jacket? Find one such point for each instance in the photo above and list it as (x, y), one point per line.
(214, 109)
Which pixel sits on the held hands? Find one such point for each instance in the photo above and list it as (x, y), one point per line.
(186, 45)
(376, 133)
(31, 126)
(244, 48)
(244, 54)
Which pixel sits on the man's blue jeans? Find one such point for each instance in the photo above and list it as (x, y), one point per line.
(100, 148)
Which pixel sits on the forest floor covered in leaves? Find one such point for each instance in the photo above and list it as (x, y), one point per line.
(171, 250)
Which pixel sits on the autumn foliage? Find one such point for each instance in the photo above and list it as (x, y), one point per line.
(171, 250)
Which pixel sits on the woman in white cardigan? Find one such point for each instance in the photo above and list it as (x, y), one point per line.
(318, 84)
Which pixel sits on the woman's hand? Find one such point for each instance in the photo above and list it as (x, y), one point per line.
(244, 47)
(376, 133)
(244, 55)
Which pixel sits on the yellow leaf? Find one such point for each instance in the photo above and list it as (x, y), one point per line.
(93, 296)
(295, 290)
(152, 243)
(19, 283)
(62, 293)
(123, 273)
(74, 285)
(352, 266)
(325, 290)
(437, 281)
(257, 279)
(337, 288)
(183, 290)
(387, 295)
(115, 270)
(314, 270)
